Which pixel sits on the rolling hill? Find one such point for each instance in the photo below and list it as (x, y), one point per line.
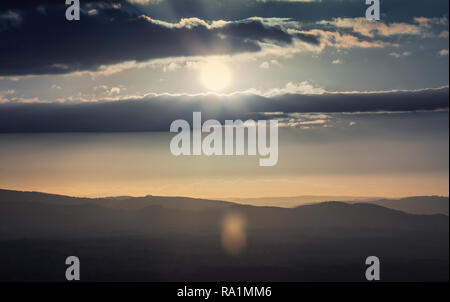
(179, 239)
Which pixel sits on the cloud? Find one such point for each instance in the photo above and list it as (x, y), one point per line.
(295, 88)
(144, 1)
(268, 64)
(265, 65)
(288, 0)
(5, 93)
(9, 19)
(370, 29)
(367, 28)
(299, 10)
(399, 55)
(156, 112)
(114, 90)
(343, 40)
(51, 45)
(303, 11)
(304, 121)
(443, 52)
(109, 40)
(428, 22)
(109, 91)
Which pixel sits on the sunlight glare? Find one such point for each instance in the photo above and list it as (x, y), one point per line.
(215, 76)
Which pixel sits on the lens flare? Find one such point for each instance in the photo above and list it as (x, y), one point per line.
(234, 237)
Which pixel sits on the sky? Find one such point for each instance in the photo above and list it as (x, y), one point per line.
(86, 106)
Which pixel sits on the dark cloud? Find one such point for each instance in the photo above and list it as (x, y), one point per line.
(42, 42)
(312, 39)
(398, 10)
(22, 4)
(36, 38)
(157, 113)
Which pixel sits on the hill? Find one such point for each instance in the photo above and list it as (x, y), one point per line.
(159, 239)
(417, 205)
(414, 205)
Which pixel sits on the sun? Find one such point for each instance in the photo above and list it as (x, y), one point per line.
(215, 76)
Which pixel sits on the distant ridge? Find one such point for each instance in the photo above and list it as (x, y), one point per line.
(53, 213)
(426, 205)
(295, 201)
(177, 239)
(419, 205)
(121, 202)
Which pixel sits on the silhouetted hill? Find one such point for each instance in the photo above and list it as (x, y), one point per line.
(19, 196)
(417, 204)
(413, 205)
(163, 239)
(426, 205)
(180, 203)
(123, 202)
(295, 201)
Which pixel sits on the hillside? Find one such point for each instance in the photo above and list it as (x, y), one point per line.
(159, 239)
